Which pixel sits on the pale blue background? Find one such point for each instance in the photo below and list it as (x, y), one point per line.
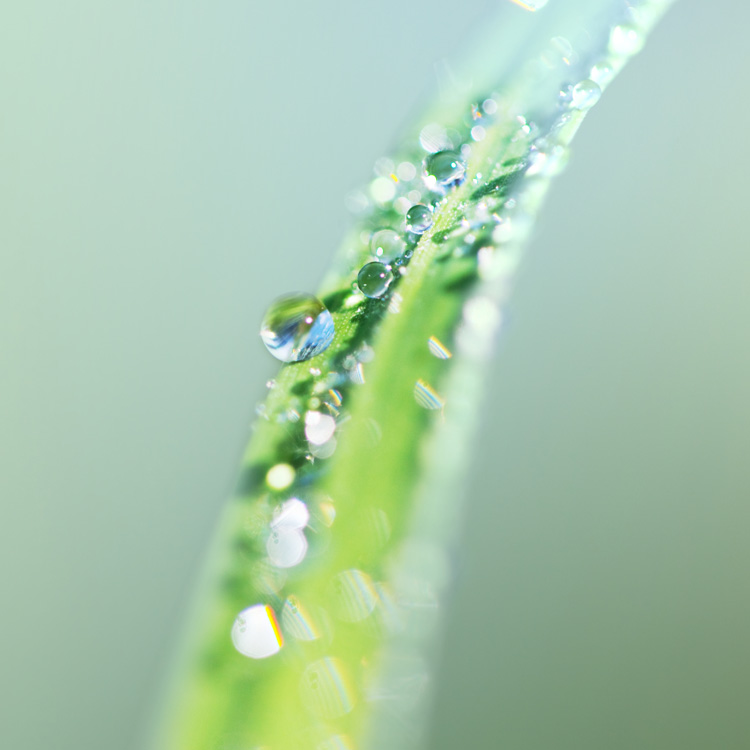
(168, 168)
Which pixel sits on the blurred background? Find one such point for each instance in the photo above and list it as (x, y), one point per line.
(166, 169)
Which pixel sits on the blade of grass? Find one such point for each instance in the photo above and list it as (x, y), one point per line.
(370, 587)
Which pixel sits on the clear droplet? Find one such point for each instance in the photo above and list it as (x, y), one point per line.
(326, 690)
(602, 73)
(256, 632)
(319, 427)
(374, 279)
(625, 39)
(585, 94)
(297, 327)
(286, 547)
(387, 244)
(291, 514)
(418, 218)
(280, 476)
(445, 168)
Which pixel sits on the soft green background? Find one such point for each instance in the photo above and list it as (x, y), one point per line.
(168, 168)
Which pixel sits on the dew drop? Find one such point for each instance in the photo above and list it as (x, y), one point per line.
(418, 218)
(602, 73)
(256, 633)
(291, 514)
(297, 327)
(585, 94)
(445, 168)
(374, 279)
(319, 427)
(625, 39)
(280, 476)
(286, 547)
(387, 244)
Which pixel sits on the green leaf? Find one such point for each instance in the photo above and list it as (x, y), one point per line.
(359, 616)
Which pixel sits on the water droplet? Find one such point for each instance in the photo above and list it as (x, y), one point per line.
(478, 133)
(296, 621)
(438, 349)
(489, 106)
(374, 279)
(297, 327)
(280, 476)
(256, 633)
(426, 396)
(326, 690)
(418, 218)
(602, 73)
(319, 428)
(387, 244)
(291, 514)
(585, 94)
(286, 547)
(625, 39)
(270, 384)
(326, 450)
(355, 597)
(445, 168)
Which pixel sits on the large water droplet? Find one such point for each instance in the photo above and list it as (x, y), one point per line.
(585, 94)
(297, 327)
(374, 279)
(296, 621)
(256, 632)
(445, 168)
(418, 218)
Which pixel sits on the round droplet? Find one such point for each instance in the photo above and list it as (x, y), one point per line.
(585, 94)
(387, 244)
(256, 632)
(297, 327)
(625, 39)
(445, 168)
(286, 547)
(374, 279)
(602, 73)
(319, 427)
(418, 218)
(291, 514)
